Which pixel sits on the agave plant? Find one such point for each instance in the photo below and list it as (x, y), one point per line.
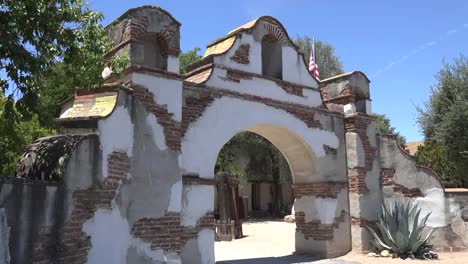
(400, 232)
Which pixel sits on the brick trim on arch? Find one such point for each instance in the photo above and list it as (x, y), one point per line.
(319, 189)
(198, 99)
(164, 118)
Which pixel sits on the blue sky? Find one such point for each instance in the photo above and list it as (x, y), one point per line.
(399, 44)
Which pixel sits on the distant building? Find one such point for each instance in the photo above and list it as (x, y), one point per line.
(412, 147)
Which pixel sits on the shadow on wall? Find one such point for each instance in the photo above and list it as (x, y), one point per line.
(290, 259)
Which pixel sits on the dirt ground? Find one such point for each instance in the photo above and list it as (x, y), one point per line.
(273, 242)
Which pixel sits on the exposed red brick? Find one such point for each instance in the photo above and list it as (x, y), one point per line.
(192, 180)
(358, 123)
(319, 189)
(357, 180)
(362, 222)
(72, 245)
(135, 29)
(315, 229)
(167, 233)
(164, 118)
(387, 179)
(290, 88)
(201, 98)
(236, 76)
(241, 55)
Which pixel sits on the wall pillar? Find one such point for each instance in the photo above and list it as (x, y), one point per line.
(322, 219)
(363, 176)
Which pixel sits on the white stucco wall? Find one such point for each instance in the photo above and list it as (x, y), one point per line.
(157, 131)
(323, 209)
(442, 209)
(264, 88)
(349, 109)
(255, 55)
(175, 203)
(165, 92)
(206, 239)
(115, 134)
(197, 200)
(294, 68)
(227, 116)
(354, 150)
(173, 64)
(110, 237)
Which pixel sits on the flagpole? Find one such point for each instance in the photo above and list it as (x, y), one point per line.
(313, 49)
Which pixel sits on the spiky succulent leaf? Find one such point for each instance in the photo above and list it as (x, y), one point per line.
(400, 231)
(378, 241)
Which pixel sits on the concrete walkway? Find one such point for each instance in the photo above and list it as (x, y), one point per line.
(266, 242)
(286, 260)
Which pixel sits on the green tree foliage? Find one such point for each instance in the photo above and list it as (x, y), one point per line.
(263, 159)
(47, 50)
(187, 58)
(444, 118)
(329, 63)
(384, 127)
(434, 156)
(16, 135)
(36, 34)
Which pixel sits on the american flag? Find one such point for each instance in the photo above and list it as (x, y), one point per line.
(313, 67)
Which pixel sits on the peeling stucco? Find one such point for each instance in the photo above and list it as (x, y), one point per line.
(116, 134)
(4, 237)
(197, 200)
(228, 116)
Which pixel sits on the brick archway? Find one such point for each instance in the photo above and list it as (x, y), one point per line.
(321, 204)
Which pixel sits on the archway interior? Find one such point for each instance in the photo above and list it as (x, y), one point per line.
(266, 160)
(263, 173)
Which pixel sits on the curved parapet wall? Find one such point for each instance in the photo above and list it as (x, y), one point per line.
(402, 179)
(46, 158)
(406, 173)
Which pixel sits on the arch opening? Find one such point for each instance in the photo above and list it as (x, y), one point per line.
(252, 196)
(154, 56)
(272, 57)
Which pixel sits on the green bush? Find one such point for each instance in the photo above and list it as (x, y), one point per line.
(400, 232)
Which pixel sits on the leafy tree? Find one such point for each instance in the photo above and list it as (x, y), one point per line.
(16, 135)
(329, 64)
(434, 156)
(47, 49)
(36, 34)
(264, 163)
(187, 58)
(384, 127)
(444, 117)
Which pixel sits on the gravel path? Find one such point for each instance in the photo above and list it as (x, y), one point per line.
(272, 242)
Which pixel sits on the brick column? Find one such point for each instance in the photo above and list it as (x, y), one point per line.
(322, 218)
(363, 176)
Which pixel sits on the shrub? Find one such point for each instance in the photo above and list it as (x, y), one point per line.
(400, 232)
